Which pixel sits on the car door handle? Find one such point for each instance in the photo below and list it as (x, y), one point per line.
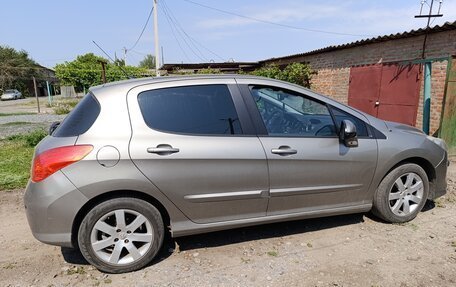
(162, 150)
(284, 150)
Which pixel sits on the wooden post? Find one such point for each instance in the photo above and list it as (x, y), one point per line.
(36, 95)
(103, 71)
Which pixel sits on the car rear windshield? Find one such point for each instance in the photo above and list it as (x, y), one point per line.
(80, 119)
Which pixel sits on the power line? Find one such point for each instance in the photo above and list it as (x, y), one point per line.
(178, 25)
(143, 29)
(190, 37)
(275, 23)
(175, 37)
(181, 35)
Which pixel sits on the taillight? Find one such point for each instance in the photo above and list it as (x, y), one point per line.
(55, 159)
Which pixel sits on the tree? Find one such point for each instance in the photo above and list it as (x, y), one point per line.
(16, 68)
(297, 73)
(148, 62)
(86, 71)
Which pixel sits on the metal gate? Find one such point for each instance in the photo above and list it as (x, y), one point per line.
(448, 119)
(388, 91)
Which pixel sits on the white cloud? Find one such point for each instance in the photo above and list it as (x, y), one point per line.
(345, 17)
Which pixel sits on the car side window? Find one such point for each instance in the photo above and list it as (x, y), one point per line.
(203, 110)
(339, 116)
(287, 113)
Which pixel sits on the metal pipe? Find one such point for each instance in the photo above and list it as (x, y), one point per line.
(49, 92)
(427, 96)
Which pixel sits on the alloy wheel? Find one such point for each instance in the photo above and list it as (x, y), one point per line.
(406, 194)
(121, 237)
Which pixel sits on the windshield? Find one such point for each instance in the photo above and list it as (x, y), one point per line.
(9, 91)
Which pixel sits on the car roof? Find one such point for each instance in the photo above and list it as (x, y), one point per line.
(125, 85)
(131, 83)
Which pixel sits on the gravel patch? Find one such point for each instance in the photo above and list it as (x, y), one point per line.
(20, 124)
(38, 118)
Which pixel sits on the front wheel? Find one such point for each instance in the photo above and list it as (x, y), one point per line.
(121, 235)
(402, 194)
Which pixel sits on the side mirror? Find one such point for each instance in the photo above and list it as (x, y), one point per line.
(347, 133)
(53, 127)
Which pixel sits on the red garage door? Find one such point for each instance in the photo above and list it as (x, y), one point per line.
(389, 92)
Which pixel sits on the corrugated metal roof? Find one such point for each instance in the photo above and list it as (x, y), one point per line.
(445, 27)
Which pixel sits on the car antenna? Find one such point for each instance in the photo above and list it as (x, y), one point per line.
(125, 72)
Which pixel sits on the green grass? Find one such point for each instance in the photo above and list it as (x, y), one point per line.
(16, 154)
(15, 114)
(76, 270)
(273, 253)
(15, 159)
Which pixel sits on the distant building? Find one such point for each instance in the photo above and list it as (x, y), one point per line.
(45, 75)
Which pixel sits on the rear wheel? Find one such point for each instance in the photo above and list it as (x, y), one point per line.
(402, 194)
(121, 235)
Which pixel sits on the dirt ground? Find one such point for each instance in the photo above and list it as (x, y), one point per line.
(353, 250)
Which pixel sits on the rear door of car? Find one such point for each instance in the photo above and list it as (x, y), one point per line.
(194, 140)
(309, 168)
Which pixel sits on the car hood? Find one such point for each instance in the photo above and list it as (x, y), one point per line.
(403, 127)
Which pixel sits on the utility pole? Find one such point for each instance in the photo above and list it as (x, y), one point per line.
(36, 94)
(427, 65)
(163, 56)
(428, 16)
(157, 46)
(125, 55)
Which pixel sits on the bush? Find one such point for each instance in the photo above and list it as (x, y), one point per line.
(31, 139)
(62, 109)
(296, 73)
(64, 106)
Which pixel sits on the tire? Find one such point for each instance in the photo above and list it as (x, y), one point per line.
(397, 203)
(115, 247)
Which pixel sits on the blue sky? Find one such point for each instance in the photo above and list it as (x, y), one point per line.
(56, 31)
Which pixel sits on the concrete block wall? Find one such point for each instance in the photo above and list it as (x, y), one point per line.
(333, 67)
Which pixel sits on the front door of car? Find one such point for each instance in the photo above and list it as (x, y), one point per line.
(191, 140)
(309, 168)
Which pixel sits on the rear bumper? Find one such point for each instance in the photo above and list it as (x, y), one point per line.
(439, 185)
(51, 207)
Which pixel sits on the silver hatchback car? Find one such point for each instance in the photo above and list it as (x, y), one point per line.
(197, 154)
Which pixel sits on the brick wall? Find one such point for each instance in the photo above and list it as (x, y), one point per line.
(333, 67)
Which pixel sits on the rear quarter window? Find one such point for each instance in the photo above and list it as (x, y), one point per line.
(80, 119)
(199, 110)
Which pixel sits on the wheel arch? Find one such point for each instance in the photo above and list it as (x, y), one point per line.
(111, 195)
(420, 161)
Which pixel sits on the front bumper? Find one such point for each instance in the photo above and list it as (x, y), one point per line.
(51, 207)
(437, 187)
